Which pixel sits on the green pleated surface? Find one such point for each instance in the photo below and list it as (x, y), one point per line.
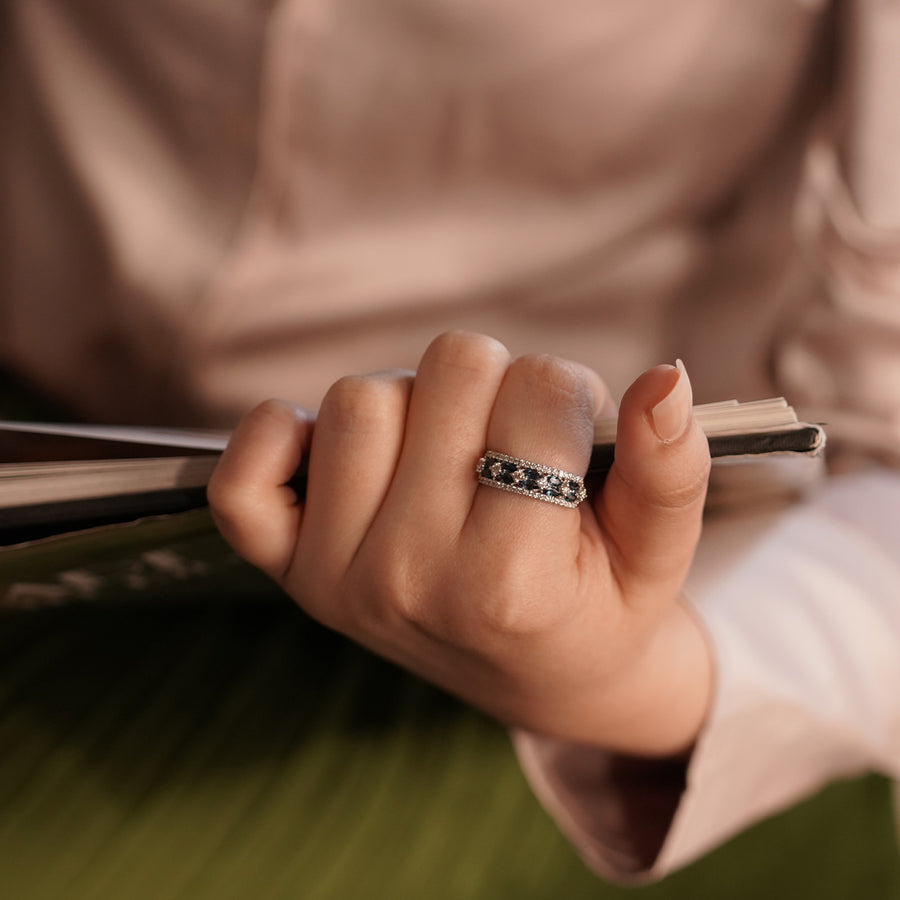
(237, 750)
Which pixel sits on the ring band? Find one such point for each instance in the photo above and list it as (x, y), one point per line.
(520, 476)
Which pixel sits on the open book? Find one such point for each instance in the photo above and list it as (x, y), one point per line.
(60, 478)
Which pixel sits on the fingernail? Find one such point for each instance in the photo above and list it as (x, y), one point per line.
(671, 415)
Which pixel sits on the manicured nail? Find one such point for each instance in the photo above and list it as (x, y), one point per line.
(671, 415)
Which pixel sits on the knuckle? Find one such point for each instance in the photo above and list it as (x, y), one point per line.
(394, 600)
(519, 618)
(550, 373)
(268, 410)
(674, 489)
(688, 476)
(228, 517)
(402, 593)
(685, 493)
(562, 383)
(268, 416)
(227, 500)
(219, 494)
(407, 591)
(379, 575)
(403, 596)
(359, 404)
(224, 504)
(515, 601)
(518, 611)
(467, 351)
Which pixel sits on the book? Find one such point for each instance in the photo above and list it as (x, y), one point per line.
(59, 478)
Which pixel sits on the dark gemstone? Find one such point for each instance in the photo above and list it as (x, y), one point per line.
(530, 479)
(505, 475)
(486, 468)
(554, 484)
(572, 494)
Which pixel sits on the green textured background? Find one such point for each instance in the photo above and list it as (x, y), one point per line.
(222, 745)
(176, 729)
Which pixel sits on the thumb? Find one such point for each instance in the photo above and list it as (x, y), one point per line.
(651, 506)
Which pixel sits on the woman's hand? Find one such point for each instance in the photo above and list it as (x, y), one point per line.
(562, 621)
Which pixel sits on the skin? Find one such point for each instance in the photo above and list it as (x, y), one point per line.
(565, 622)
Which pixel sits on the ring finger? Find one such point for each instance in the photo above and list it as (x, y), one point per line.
(544, 413)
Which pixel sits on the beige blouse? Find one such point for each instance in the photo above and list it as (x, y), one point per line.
(213, 203)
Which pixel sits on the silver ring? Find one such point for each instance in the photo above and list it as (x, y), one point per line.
(530, 479)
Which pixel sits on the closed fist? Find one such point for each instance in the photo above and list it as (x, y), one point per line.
(563, 621)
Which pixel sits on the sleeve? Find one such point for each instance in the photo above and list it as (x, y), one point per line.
(801, 605)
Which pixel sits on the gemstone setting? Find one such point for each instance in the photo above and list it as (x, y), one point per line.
(530, 479)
